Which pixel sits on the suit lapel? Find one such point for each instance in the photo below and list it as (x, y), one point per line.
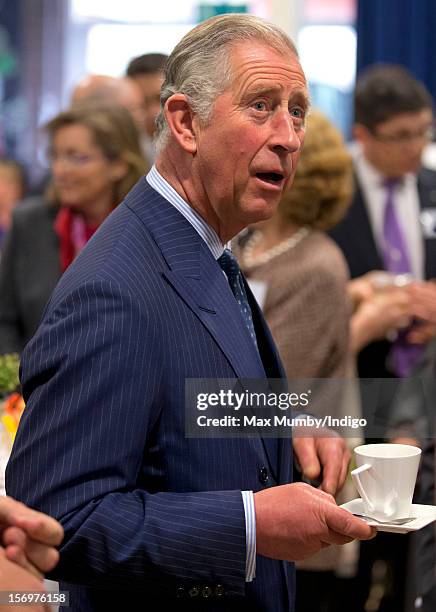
(199, 281)
(427, 199)
(210, 297)
(364, 234)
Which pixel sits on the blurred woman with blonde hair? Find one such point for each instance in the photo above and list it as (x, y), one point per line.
(95, 160)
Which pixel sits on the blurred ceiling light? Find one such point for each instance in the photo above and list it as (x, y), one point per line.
(110, 47)
(328, 55)
(135, 11)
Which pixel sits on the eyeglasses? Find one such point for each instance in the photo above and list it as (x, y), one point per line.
(77, 160)
(427, 134)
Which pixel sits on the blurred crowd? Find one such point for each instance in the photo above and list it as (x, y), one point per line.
(345, 273)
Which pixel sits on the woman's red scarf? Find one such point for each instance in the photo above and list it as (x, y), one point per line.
(73, 234)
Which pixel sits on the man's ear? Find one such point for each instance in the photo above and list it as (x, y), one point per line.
(180, 119)
(361, 132)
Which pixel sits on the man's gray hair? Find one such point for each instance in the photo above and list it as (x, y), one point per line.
(199, 65)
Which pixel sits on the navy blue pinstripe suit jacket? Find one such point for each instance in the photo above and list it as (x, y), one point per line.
(149, 516)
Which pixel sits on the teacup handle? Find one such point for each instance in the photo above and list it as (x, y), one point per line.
(355, 475)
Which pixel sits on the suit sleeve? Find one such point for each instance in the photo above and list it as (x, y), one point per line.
(11, 340)
(92, 391)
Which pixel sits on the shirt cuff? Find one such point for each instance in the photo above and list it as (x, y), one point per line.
(250, 535)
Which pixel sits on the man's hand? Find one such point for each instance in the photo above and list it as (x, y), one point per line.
(29, 537)
(422, 333)
(329, 456)
(13, 578)
(295, 521)
(385, 312)
(360, 289)
(423, 297)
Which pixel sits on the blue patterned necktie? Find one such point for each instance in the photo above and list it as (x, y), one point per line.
(397, 261)
(229, 264)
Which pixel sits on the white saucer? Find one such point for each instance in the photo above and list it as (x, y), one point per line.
(424, 515)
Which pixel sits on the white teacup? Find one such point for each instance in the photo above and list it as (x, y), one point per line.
(385, 478)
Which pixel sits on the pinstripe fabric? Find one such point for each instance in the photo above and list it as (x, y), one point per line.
(210, 237)
(101, 445)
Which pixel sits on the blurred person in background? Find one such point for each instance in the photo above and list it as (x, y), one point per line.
(147, 71)
(103, 89)
(12, 190)
(384, 227)
(95, 160)
(308, 302)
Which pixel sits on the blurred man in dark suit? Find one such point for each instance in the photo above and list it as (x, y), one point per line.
(391, 224)
(147, 71)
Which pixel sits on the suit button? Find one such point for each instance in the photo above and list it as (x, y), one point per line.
(263, 475)
(207, 592)
(180, 592)
(194, 591)
(219, 590)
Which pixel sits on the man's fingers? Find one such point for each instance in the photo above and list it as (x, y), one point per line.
(331, 453)
(9, 510)
(45, 558)
(343, 522)
(330, 482)
(28, 553)
(344, 473)
(16, 555)
(338, 538)
(335, 458)
(306, 454)
(41, 528)
(14, 535)
(344, 470)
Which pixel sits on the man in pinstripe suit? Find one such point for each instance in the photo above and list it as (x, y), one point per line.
(152, 517)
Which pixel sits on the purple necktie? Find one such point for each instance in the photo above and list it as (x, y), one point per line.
(396, 260)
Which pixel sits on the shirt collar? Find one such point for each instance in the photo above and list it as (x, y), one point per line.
(371, 175)
(205, 231)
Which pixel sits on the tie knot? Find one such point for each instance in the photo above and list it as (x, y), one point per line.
(229, 264)
(391, 183)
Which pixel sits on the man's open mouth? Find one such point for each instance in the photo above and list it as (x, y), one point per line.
(274, 178)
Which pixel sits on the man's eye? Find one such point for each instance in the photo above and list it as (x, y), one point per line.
(297, 112)
(298, 116)
(260, 106)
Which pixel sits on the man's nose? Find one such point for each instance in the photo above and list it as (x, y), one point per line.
(285, 134)
(416, 146)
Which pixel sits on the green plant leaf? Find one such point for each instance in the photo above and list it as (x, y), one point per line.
(9, 366)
